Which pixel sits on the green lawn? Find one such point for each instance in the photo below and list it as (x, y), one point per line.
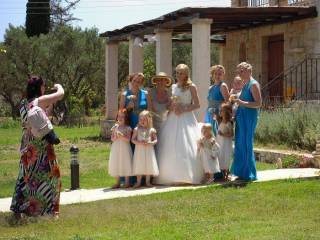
(272, 210)
(93, 156)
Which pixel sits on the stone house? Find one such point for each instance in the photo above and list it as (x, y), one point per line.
(285, 56)
(280, 38)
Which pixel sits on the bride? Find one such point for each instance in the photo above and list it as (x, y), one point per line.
(179, 134)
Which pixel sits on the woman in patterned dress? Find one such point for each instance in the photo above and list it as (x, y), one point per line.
(160, 98)
(37, 190)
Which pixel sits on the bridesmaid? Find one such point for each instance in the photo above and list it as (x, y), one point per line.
(160, 97)
(135, 99)
(244, 164)
(218, 93)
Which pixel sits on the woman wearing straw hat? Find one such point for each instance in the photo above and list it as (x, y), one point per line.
(160, 98)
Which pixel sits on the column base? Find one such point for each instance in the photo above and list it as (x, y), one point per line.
(105, 128)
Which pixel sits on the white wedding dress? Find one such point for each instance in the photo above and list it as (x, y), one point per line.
(177, 147)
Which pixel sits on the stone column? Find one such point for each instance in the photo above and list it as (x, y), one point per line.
(201, 29)
(111, 88)
(164, 51)
(135, 55)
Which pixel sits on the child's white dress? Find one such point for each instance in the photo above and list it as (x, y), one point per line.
(225, 144)
(144, 158)
(120, 161)
(208, 156)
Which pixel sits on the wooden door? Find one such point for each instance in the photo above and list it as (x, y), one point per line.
(276, 67)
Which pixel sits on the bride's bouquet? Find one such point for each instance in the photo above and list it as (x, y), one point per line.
(175, 99)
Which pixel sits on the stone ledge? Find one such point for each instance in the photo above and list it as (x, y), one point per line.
(272, 156)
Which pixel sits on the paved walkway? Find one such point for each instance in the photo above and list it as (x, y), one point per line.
(85, 195)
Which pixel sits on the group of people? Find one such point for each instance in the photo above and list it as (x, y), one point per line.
(158, 138)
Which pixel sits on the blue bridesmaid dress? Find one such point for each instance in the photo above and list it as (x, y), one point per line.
(244, 164)
(140, 105)
(215, 99)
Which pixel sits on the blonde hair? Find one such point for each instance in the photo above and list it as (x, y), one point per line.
(147, 114)
(206, 126)
(214, 68)
(246, 66)
(133, 75)
(186, 70)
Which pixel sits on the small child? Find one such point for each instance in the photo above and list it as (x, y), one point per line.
(208, 152)
(224, 139)
(235, 93)
(144, 158)
(121, 154)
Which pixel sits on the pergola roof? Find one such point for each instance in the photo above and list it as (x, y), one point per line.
(224, 20)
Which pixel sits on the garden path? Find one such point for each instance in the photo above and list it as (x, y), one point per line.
(90, 195)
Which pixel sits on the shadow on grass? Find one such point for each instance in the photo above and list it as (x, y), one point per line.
(9, 220)
(235, 184)
(95, 139)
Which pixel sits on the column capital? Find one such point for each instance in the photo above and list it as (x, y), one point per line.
(201, 20)
(162, 30)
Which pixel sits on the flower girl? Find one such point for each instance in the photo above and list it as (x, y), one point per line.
(144, 159)
(224, 138)
(121, 153)
(208, 152)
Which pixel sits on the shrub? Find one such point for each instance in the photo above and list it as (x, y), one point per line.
(7, 123)
(297, 128)
(290, 161)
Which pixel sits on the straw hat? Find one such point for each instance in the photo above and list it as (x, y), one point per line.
(162, 75)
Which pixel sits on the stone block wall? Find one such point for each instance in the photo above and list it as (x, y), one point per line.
(301, 38)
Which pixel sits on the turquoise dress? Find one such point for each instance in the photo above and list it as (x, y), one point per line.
(244, 164)
(140, 104)
(215, 99)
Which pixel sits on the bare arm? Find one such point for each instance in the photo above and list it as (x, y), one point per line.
(225, 91)
(256, 93)
(113, 134)
(134, 139)
(122, 101)
(154, 138)
(48, 99)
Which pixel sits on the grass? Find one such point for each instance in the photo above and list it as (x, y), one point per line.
(272, 210)
(93, 156)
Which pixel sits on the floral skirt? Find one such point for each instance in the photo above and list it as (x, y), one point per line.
(37, 190)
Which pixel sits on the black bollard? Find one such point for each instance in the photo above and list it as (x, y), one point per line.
(74, 166)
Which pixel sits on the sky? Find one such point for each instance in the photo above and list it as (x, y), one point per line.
(106, 15)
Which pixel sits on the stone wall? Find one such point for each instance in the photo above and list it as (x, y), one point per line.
(300, 39)
(273, 156)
